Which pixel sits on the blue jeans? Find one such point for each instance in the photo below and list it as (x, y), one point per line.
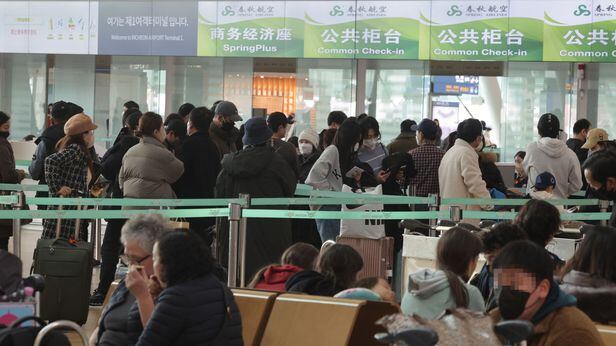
(328, 229)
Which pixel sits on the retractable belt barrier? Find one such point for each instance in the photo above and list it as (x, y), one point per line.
(238, 210)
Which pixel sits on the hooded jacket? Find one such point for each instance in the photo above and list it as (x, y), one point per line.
(275, 277)
(46, 145)
(596, 297)
(111, 163)
(559, 322)
(429, 295)
(260, 173)
(552, 155)
(313, 283)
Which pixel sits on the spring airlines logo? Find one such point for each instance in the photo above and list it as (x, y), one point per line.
(336, 11)
(582, 11)
(228, 11)
(454, 11)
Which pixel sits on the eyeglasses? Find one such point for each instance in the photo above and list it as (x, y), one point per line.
(131, 260)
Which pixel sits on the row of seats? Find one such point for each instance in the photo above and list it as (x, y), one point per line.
(272, 318)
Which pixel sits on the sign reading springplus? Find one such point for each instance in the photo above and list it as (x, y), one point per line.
(247, 28)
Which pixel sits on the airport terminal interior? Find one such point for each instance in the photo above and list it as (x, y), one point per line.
(307, 172)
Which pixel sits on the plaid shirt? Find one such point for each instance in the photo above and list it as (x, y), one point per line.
(68, 167)
(427, 159)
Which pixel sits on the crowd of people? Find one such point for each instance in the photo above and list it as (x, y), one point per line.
(174, 291)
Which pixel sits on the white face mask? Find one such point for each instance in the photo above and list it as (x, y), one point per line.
(356, 147)
(371, 143)
(305, 149)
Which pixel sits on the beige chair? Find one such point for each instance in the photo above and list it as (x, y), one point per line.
(255, 308)
(302, 320)
(608, 333)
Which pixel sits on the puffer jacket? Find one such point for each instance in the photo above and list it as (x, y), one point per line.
(148, 170)
(197, 312)
(596, 297)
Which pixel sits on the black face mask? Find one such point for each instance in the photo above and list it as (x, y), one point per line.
(603, 193)
(5, 134)
(227, 126)
(511, 302)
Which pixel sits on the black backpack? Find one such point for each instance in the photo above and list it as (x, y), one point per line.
(16, 335)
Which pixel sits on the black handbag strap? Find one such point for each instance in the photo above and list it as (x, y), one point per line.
(17, 323)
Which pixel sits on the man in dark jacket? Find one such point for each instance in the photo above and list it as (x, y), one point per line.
(175, 136)
(110, 168)
(260, 172)
(406, 140)
(575, 143)
(46, 143)
(600, 172)
(201, 166)
(222, 130)
(277, 122)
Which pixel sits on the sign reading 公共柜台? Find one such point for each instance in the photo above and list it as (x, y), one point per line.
(491, 30)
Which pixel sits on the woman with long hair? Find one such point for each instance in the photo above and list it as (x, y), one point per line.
(331, 168)
(431, 292)
(69, 172)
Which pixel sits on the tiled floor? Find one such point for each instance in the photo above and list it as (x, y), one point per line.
(30, 234)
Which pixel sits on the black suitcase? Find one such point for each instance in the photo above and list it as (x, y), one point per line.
(67, 268)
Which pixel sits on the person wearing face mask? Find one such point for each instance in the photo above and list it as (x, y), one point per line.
(148, 168)
(308, 152)
(595, 141)
(222, 130)
(459, 174)
(8, 173)
(329, 171)
(525, 290)
(70, 171)
(600, 173)
(550, 154)
(372, 152)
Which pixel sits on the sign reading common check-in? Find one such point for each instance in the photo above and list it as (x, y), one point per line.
(492, 30)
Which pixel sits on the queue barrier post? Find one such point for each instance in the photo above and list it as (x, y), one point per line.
(412, 192)
(18, 205)
(434, 206)
(603, 207)
(242, 239)
(455, 213)
(96, 235)
(235, 213)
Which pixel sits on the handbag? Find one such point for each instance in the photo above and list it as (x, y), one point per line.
(373, 229)
(16, 335)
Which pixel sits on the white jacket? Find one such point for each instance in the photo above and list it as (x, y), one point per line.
(459, 175)
(552, 155)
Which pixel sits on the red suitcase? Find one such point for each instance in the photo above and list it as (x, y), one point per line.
(378, 255)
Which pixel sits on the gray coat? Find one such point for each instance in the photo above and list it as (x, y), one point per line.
(148, 170)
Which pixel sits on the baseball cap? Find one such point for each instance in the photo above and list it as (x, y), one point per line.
(227, 109)
(544, 180)
(595, 136)
(62, 110)
(428, 128)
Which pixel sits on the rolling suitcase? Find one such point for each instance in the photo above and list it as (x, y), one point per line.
(67, 269)
(378, 255)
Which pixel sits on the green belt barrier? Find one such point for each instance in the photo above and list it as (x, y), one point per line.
(23, 162)
(374, 198)
(514, 202)
(509, 215)
(8, 200)
(342, 215)
(23, 187)
(155, 203)
(111, 214)
(585, 216)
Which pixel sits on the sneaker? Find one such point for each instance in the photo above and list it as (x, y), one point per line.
(97, 298)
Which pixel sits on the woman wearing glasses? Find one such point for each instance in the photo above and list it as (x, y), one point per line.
(132, 303)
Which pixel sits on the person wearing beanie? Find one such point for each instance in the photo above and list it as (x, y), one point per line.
(550, 154)
(46, 144)
(308, 152)
(406, 140)
(69, 172)
(259, 171)
(8, 173)
(110, 169)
